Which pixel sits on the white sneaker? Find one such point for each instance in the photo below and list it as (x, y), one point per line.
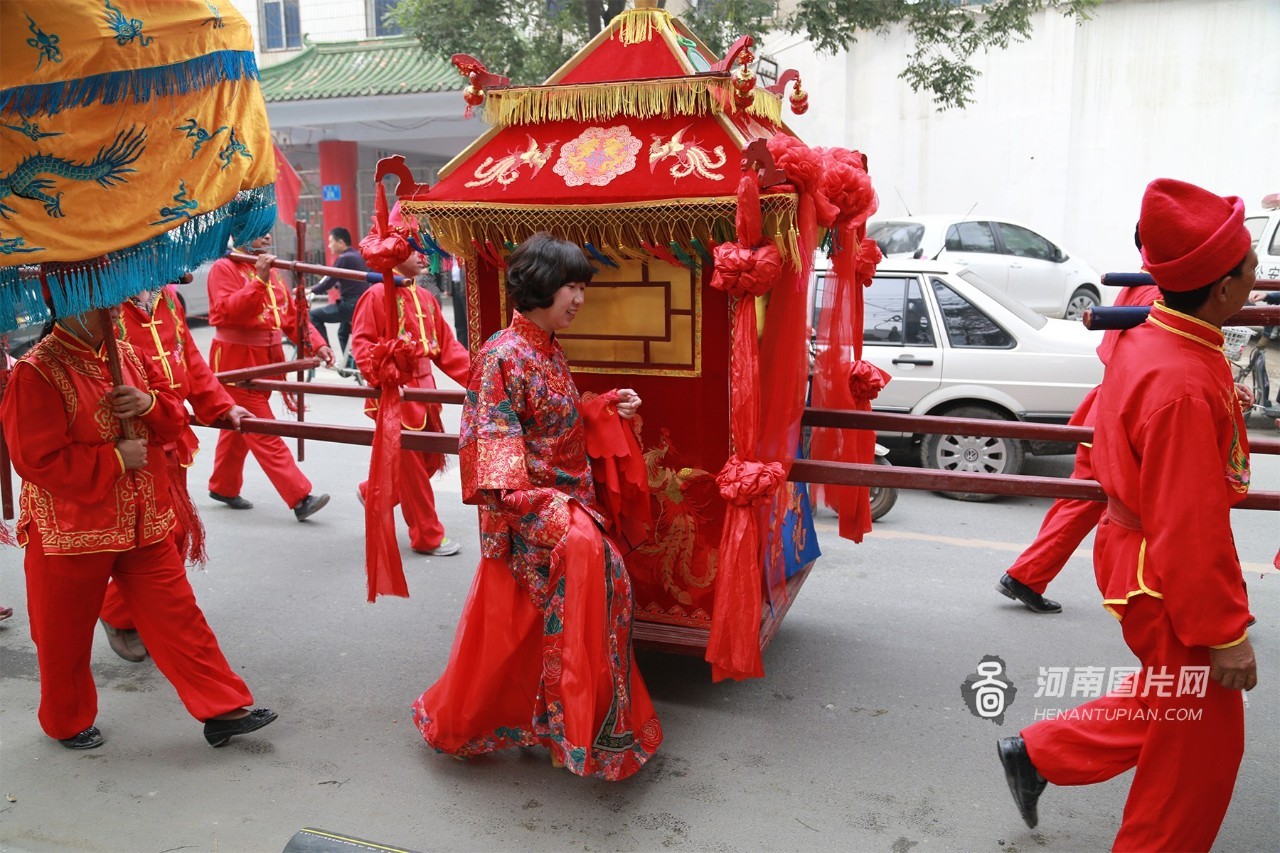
(446, 548)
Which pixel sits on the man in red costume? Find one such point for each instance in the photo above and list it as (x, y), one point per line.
(422, 323)
(96, 505)
(253, 311)
(155, 324)
(1171, 452)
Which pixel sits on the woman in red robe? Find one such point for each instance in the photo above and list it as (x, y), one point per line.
(543, 651)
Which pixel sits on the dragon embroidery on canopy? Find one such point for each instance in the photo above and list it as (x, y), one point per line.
(107, 169)
(681, 511)
(690, 156)
(507, 169)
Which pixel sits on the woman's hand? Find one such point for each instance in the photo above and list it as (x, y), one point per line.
(628, 402)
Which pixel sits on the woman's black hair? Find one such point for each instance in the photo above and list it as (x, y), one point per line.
(1190, 301)
(540, 266)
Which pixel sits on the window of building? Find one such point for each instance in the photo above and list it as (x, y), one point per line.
(380, 20)
(281, 25)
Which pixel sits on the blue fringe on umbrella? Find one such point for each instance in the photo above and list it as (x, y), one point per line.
(110, 279)
(140, 84)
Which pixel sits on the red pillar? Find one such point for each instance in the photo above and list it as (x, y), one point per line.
(339, 167)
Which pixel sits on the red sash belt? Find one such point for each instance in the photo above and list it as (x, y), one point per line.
(1123, 516)
(423, 368)
(248, 337)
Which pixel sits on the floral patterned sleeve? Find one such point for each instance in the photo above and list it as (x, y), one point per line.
(500, 404)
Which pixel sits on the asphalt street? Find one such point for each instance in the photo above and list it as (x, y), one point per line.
(858, 738)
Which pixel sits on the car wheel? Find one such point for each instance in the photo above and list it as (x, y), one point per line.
(972, 453)
(1081, 300)
(882, 497)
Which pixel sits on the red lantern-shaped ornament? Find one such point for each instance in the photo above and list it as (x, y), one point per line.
(799, 100)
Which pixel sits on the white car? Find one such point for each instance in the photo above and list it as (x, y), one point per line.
(1264, 232)
(955, 346)
(1010, 257)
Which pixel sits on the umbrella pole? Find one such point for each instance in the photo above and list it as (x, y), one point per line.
(113, 363)
(302, 307)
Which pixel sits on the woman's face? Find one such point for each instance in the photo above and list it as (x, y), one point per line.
(563, 308)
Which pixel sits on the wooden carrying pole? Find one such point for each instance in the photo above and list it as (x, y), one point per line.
(302, 307)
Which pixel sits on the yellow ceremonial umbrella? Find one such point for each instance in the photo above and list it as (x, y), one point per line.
(133, 144)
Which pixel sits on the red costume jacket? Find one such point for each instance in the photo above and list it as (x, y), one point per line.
(75, 490)
(251, 317)
(161, 332)
(1171, 451)
(422, 323)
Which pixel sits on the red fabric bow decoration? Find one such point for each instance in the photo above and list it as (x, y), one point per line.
(384, 249)
(866, 381)
(745, 482)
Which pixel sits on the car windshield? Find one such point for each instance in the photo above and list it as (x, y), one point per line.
(1014, 307)
(896, 238)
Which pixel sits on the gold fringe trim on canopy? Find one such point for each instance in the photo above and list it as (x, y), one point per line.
(636, 26)
(618, 231)
(593, 102)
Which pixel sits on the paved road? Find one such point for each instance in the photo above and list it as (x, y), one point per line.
(857, 738)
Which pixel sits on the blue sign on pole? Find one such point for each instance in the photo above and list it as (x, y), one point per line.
(332, 192)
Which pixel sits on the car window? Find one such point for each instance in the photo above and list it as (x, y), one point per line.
(970, 237)
(897, 238)
(1025, 244)
(894, 313)
(1274, 248)
(967, 326)
(1013, 306)
(1253, 224)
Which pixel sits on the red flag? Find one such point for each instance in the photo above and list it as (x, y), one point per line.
(288, 188)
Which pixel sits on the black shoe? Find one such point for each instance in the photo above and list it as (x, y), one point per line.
(1010, 588)
(236, 502)
(218, 732)
(309, 506)
(90, 738)
(1025, 783)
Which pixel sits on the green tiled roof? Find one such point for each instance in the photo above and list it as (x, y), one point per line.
(387, 66)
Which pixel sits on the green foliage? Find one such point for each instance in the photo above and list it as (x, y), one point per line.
(946, 34)
(528, 40)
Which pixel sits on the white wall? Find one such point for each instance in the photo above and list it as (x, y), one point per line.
(322, 21)
(1067, 128)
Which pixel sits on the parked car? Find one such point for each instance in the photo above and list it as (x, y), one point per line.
(956, 346)
(1264, 230)
(195, 296)
(1010, 257)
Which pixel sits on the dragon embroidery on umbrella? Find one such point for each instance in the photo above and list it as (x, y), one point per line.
(690, 156)
(198, 133)
(507, 169)
(126, 30)
(183, 206)
(216, 20)
(32, 131)
(233, 147)
(107, 169)
(43, 42)
(14, 246)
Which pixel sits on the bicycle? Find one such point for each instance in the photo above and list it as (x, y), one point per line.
(1251, 371)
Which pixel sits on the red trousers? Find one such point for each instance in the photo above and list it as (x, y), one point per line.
(270, 451)
(1187, 748)
(417, 501)
(1063, 529)
(64, 598)
(1067, 522)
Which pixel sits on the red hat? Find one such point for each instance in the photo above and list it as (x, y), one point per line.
(1190, 237)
